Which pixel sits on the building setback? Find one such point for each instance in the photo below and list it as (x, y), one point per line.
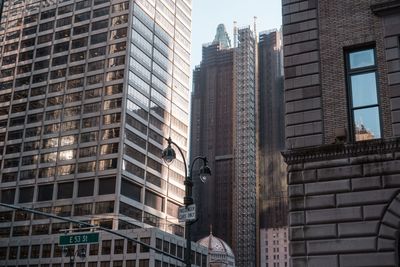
(223, 129)
(88, 91)
(342, 79)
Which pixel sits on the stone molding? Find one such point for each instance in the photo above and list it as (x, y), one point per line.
(385, 7)
(343, 150)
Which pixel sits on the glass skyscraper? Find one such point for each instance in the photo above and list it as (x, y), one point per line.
(88, 91)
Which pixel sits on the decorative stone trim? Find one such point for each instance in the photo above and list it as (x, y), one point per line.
(334, 151)
(385, 7)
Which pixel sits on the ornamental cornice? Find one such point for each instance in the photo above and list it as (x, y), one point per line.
(343, 150)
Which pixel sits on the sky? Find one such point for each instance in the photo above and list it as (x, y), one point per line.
(207, 14)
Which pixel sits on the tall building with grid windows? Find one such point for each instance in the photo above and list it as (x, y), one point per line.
(88, 91)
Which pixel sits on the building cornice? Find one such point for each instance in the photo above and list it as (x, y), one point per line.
(385, 7)
(343, 150)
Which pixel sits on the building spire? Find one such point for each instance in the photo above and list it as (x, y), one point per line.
(222, 37)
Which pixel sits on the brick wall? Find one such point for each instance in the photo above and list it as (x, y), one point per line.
(304, 122)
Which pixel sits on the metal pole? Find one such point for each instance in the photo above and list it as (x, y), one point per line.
(188, 201)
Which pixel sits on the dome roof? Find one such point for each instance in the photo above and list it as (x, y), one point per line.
(216, 245)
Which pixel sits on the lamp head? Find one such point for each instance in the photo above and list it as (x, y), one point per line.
(168, 154)
(205, 171)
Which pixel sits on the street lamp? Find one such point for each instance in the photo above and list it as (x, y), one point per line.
(168, 156)
(81, 252)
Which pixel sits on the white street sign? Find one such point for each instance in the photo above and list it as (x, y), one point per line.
(187, 214)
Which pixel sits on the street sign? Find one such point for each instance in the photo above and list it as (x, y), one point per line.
(186, 214)
(85, 238)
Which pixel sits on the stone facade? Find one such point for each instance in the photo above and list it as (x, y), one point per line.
(345, 204)
(344, 196)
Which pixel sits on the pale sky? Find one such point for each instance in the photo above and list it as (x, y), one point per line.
(207, 14)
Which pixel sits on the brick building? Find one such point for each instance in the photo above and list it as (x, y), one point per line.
(342, 77)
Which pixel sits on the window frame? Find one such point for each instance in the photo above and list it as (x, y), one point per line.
(349, 72)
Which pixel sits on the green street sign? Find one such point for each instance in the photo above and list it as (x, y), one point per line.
(86, 238)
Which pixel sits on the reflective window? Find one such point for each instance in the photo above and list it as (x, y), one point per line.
(98, 38)
(99, 24)
(95, 52)
(119, 33)
(104, 207)
(77, 56)
(363, 91)
(62, 34)
(82, 17)
(101, 12)
(131, 190)
(79, 43)
(83, 209)
(81, 29)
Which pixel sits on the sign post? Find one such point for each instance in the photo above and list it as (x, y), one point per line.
(85, 238)
(187, 214)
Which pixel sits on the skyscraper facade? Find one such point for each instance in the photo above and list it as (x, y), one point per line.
(273, 202)
(88, 91)
(342, 82)
(212, 135)
(271, 131)
(223, 129)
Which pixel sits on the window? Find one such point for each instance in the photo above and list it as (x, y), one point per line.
(45, 193)
(63, 34)
(83, 209)
(104, 207)
(7, 196)
(65, 190)
(363, 94)
(118, 247)
(107, 186)
(82, 17)
(106, 247)
(98, 38)
(81, 29)
(155, 201)
(85, 188)
(131, 190)
(25, 194)
(95, 52)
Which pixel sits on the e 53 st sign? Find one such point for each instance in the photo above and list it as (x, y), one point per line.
(86, 238)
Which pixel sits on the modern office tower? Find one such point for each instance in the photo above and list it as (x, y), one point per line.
(271, 132)
(271, 168)
(114, 251)
(342, 84)
(274, 247)
(223, 129)
(88, 91)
